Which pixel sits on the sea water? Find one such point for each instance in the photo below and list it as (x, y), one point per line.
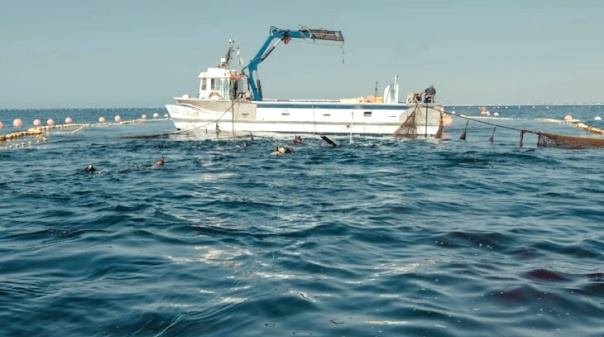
(376, 237)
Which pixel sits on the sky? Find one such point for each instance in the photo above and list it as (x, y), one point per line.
(135, 53)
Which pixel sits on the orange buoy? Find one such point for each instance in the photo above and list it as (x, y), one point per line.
(118, 118)
(17, 123)
(50, 122)
(37, 122)
(447, 121)
(68, 120)
(568, 118)
(1, 126)
(102, 119)
(144, 116)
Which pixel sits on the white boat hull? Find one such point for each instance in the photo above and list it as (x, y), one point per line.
(207, 118)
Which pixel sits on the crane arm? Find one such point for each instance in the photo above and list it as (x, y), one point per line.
(284, 35)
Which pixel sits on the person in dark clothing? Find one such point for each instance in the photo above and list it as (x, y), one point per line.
(429, 94)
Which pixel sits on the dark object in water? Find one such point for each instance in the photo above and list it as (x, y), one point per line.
(159, 162)
(492, 138)
(329, 141)
(297, 140)
(89, 169)
(162, 135)
(465, 131)
(283, 150)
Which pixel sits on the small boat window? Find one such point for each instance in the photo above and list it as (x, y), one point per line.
(367, 114)
(215, 84)
(204, 84)
(284, 113)
(327, 115)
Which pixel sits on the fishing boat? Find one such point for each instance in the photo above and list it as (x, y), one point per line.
(230, 103)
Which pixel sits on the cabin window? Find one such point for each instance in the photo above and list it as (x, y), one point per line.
(204, 84)
(284, 113)
(215, 84)
(326, 115)
(367, 114)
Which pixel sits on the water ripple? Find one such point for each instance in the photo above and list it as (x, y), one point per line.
(375, 237)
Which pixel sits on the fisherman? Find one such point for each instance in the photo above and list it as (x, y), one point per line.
(430, 92)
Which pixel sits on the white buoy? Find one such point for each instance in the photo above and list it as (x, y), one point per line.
(597, 118)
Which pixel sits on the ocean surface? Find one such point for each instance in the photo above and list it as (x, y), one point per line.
(377, 237)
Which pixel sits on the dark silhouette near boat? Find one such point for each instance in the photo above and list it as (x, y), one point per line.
(89, 169)
(329, 141)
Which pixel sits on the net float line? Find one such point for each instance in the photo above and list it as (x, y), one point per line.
(41, 130)
(590, 128)
(545, 139)
(573, 122)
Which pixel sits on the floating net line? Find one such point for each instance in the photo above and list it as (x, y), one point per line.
(545, 139)
(18, 139)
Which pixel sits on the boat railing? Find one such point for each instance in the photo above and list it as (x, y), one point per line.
(301, 100)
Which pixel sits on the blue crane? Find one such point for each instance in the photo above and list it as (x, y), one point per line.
(284, 35)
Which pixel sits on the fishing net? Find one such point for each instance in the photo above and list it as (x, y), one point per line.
(420, 122)
(409, 127)
(545, 139)
(568, 142)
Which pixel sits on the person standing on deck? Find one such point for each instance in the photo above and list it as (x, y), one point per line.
(429, 94)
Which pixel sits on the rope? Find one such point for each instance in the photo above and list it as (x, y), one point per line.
(491, 124)
(212, 122)
(165, 135)
(545, 139)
